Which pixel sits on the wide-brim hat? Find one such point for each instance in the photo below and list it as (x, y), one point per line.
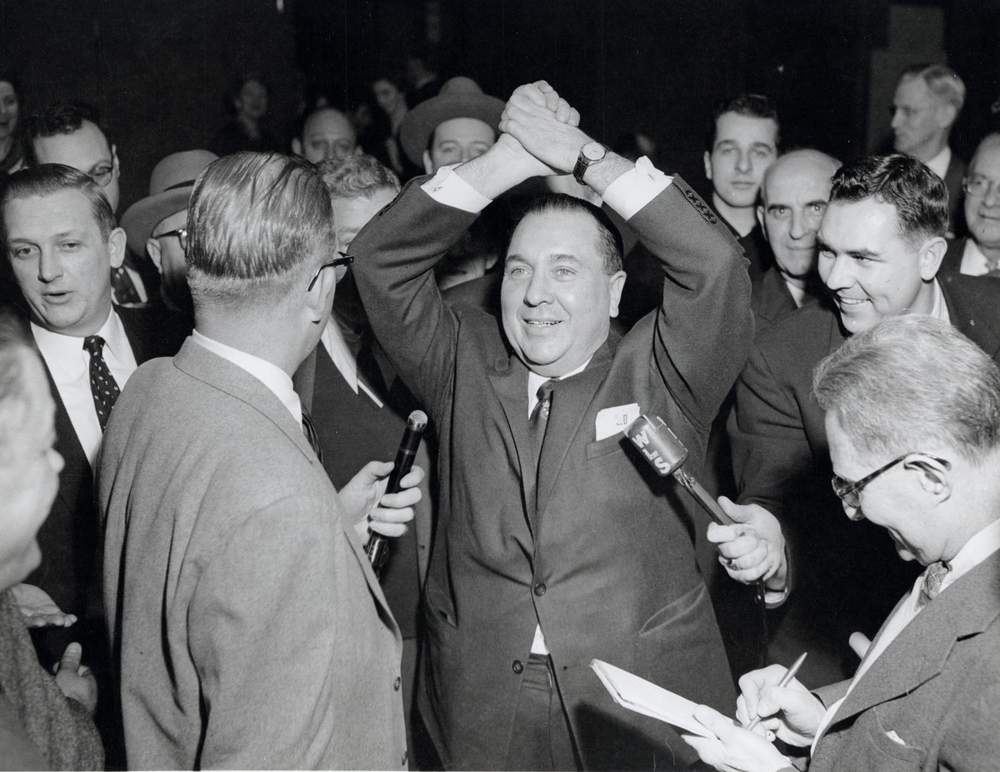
(459, 97)
(169, 189)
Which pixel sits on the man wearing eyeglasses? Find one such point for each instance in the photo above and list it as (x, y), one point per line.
(71, 134)
(912, 413)
(881, 243)
(979, 254)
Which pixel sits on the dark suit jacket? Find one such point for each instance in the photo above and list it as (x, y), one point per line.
(781, 461)
(248, 626)
(937, 686)
(953, 181)
(598, 550)
(69, 536)
(952, 262)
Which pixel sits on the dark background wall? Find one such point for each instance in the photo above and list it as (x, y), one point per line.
(158, 70)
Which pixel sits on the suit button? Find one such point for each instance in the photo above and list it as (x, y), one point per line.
(396, 684)
(517, 667)
(540, 589)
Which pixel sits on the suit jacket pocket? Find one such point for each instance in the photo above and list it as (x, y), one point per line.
(677, 612)
(440, 607)
(605, 447)
(887, 752)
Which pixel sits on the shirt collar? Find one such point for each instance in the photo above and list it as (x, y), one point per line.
(982, 544)
(939, 163)
(343, 360)
(277, 381)
(940, 309)
(64, 353)
(535, 380)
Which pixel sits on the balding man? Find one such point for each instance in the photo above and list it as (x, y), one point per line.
(794, 195)
(979, 254)
(327, 134)
(926, 105)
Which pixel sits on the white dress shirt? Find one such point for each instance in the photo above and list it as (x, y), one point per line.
(344, 361)
(974, 262)
(69, 364)
(977, 549)
(939, 163)
(277, 381)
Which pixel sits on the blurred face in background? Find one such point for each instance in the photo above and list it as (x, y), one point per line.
(387, 95)
(327, 134)
(982, 196)
(86, 149)
(8, 110)
(252, 100)
(456, 141)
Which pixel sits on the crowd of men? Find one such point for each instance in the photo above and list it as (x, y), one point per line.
(201, 402)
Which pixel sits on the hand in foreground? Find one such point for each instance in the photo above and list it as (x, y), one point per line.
(75, 680)
(752, 549)
(791, 712)
(733, 749)
(38, 609)
(367, 505)
(545, 125)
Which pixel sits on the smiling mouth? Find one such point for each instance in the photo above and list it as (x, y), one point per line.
(851, 301)
(542, 322)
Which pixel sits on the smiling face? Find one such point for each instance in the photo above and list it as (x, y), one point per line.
(872, 272)
(8, 110)
(327, 134)
(556, 299)
(61, 261)
(982, 212)
(744, 147)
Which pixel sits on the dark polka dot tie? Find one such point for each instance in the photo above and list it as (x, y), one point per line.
(102, 384)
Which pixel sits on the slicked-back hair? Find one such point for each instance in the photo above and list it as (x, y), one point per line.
(609, 240)
(359, 176)
(16, 400)
(942, 81)
(46, 179)
(62, 118)
(918, 194)
(748, 105)
(256, 222)
(910, 381)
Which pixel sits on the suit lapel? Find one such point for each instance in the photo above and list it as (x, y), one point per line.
(961, 303)
(921, 649)
(509, 378)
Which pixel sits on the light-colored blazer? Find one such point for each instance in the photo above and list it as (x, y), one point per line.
(248, 626)
(932, 699)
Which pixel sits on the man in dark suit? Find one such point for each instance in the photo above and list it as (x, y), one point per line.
(276, 647)
(881, 242)
(979, 253)
(556, 544)
(925, 106)
(912, 412)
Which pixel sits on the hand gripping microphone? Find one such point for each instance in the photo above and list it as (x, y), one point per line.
(667, 454)
(377, 548)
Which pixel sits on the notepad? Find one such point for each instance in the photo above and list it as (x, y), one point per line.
(639, 695)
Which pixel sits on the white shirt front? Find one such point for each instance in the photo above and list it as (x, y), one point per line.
(344, 361)
(939, 163)
(69, 364)
(277, 381)
(974, 262)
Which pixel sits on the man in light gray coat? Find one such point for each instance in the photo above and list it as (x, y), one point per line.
(248, 626)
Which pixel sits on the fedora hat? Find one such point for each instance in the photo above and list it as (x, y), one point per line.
(169, 189)
(459, 97)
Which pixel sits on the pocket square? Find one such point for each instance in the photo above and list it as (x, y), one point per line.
(614, 420)
(891, 734)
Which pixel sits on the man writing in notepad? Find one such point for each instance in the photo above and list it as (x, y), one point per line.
(913, 417)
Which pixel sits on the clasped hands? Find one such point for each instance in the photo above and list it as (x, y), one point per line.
(789, 713)
(540, 133)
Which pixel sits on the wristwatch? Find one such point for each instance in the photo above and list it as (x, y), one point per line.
(590, 154)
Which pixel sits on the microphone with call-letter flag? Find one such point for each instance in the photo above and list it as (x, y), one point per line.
(666, 454)
(377, 548)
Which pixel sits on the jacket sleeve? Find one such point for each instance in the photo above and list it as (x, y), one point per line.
(395, 255)
(704, 326)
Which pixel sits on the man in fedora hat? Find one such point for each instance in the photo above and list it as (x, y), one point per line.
(155, 225)
(457, 125)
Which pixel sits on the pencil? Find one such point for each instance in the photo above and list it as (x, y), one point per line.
(785, 680)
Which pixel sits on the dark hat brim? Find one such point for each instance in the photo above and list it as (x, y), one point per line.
(420, 122)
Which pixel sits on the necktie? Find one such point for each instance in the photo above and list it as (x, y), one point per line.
(540, 417)
(932, 581)
(102, 385)
(310, 432)
(121, 284)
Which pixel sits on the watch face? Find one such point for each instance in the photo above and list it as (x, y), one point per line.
(593, 151)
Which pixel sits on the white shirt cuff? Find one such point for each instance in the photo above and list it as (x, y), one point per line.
(636, 188)
(450, 189)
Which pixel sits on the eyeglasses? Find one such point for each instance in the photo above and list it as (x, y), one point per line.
(339, 264)
(180, 233)
(849, 492)
(102, 175)
(980, 186)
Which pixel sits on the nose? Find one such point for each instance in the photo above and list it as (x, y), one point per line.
(537, 291)
(992, 194)
(839, 275)
(797, 229)
(897, 119)
(743, 163)
(49, 266)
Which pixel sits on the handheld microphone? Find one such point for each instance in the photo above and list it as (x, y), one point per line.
(667, 454)
(377, 548)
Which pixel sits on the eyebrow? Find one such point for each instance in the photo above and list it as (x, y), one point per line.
(855, 253)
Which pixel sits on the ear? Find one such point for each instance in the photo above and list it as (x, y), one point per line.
(117, 241)
(616, 284)
(933, 477)
(760, 219)
(931, 254)
(946, 115)
(153, 250)
(319, 299)
(708, 165)
(297, 147)
(114, 161)
(428, 166)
